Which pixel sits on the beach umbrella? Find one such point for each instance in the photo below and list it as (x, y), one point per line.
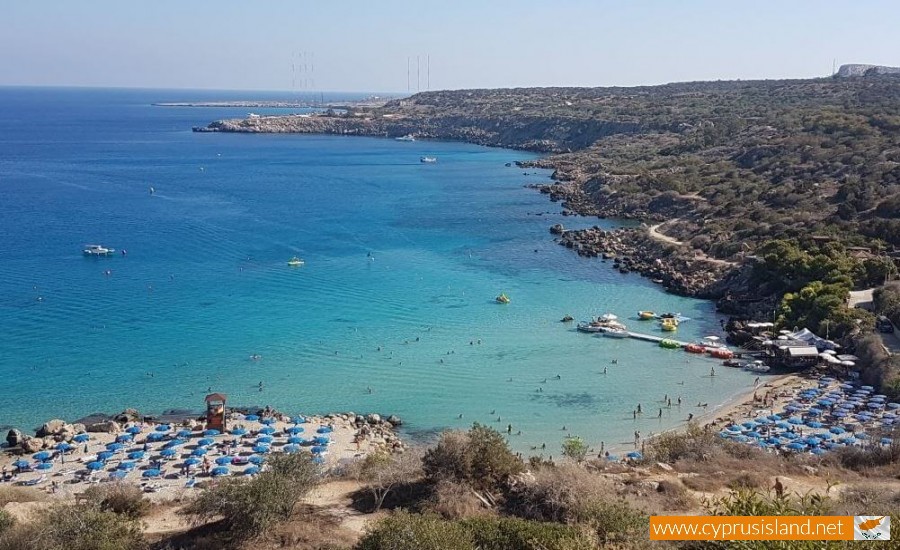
(764, 421)
(868, 388)
(184, 434)
(846, 386)
(42, 456)
(268, 421)
(888, 415)
(133, 430)
(199, 451)
(168, 453)
(775, 417)
(862, 435)
(783, 425)
(239, 432)
(299, 420)
(320, 460)
(836, 430)
(204, 442)
(815, 410)
(211, 433)
(155, 437)
(261, 449)
(223, 460)
(819, 451)
(152, 472)
(324, 430)
(886, 441)
(126, 465)
(848, 440)
(748, 425)
(815, 424)
(293, 448)
(611, 458)
(795, 420)
(888, 421)
(251, 417)
(796, 446)
(846, 406)
(81, 438)
(63, 447)
(635, 455)
(317, 450)
(219, 471)
(124, 438)
(296, 440)
(832, 445)
(825, 402)
(792, 408)
(96, 465)
(22, 464)
(163, 428)
(893, 405)
(174, 443)
(739, 439)
(789, 435)
(105, 455)
(268, 430)
(136, 455)
(114, 446)
(264, 439)
(256, 459)
(192, 461)
(251, 470)
(754, 434)
(812, 441)
(321, 440)
(44, 466)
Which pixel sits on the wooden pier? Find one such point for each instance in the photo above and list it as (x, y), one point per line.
(652, 338)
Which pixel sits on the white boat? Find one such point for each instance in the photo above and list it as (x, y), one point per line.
(614, 332)
(407, 137)
(97, 250)
(711, 342)
(428, 160)
(589, 327)
(608, 317)
(756, 366)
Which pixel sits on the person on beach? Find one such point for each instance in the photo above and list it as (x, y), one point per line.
(509, 428)
(604, 370)
(660, 414)
(637, 438)
(639, 411)
(634, 414)
(712, 371)
(690, 416)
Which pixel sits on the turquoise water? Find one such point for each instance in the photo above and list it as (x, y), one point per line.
(205, 283)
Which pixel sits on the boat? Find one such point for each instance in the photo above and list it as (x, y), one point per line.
(614, 332)
(694, 348)
(502, 299)
(593, 326)
(721, 353)
(646, 315)
(98, 250)
(756, 366)
(711, 342)
(407, 137)
(668, 326)
(670, 316)
(295, 262)
(428, 160)
(669, 344)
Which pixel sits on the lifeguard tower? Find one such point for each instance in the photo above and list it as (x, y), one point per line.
(215, 412)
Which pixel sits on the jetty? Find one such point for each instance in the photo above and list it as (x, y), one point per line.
(652, 338)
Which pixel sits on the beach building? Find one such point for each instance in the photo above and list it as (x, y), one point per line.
(215, 411)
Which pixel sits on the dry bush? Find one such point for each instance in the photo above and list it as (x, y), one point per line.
(75, 527)
(748, 480)
(454, 500)
(119, 498)
(876, 458)
(306, 530)
(557, 492)
(706, 483)
(673, 495)
(12, 493)
(867, 498)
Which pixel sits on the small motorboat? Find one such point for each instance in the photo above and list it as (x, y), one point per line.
(428, 160)
(295, 262)
(711, 342)
(98, 250)
(756, 366)
(614, 332)
(669, 344)
(502, 299)
(668, 326)
(567, 319)
(607, 318)
(407, 137)
(694, 348)
(593, 326)
(646, 315)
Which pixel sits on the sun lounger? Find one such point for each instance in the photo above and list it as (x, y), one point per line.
(35, 481)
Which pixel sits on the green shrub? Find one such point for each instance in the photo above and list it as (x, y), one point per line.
(246, 508)
(480, 457)
(507, 533)
(613, 519)
(575, 448)
(403, 531)
(6, 521)
(75, 527)
(119, 498)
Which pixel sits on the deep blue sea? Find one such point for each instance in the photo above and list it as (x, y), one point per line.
(205, 283)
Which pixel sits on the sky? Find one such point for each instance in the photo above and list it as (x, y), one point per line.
(363, 46)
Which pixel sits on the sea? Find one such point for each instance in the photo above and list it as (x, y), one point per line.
(393, 312)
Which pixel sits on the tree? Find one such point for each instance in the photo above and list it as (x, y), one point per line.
(480, 457)
(575, 448)
(246, 508)
(382, 472)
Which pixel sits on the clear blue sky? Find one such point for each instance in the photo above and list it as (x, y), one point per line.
(364, 45)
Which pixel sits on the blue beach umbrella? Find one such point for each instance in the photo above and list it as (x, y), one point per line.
(317, 450)
(296, 440)
(192, 461)
(862, 435)
(875, 405)
(81, 438)
(42, 456)
(152, 472)
(251, 470)
(63, 447)
(256, 459)
(742, 438)
(222, 460)
(775, 417)
(324, 430)
(184, 434)
(783, 425)
(789, 435)
(796, 420)
(136, 455)
(635, 455)
(251, 417)
(815, 424)
(764, 421)
(105, 455)
(837, 430)
(199, 451)
(889, 421)
(819, 451)
(792, 408)
(868, 388)
(22, 464)
(321, 440)
(796, 446)
(126, 465)
(293, 448)
(163, 428)
(114, 446)
(320, 460)
(205, 441)
(264, 440)
(748, 425)
(268, 430)
(211, 433)
(118, 475)
(174, 443)
(846, 386)
(261, 449)
(219, 471)
(754, 434)
(168, 453)
(299, 420)
(268, 421)
(832, 445)
(238, 432)
(96, 465)
(44, 466)
(133, 430)
(124, 438)
(155, 437)
(893, 406)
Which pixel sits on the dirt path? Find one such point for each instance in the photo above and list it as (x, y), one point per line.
(655, 234)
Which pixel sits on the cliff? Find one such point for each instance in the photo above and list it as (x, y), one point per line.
(859, 69)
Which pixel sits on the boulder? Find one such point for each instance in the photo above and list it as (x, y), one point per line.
(14, 438)
(107, 426)
(79, 428)
(51, 427)
(395, 420)
(32, 445)
(128, 415)
(374, 418)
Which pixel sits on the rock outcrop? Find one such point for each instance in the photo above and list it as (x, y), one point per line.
(861, 69)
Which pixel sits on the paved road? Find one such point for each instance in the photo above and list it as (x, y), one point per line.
(863, 299)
